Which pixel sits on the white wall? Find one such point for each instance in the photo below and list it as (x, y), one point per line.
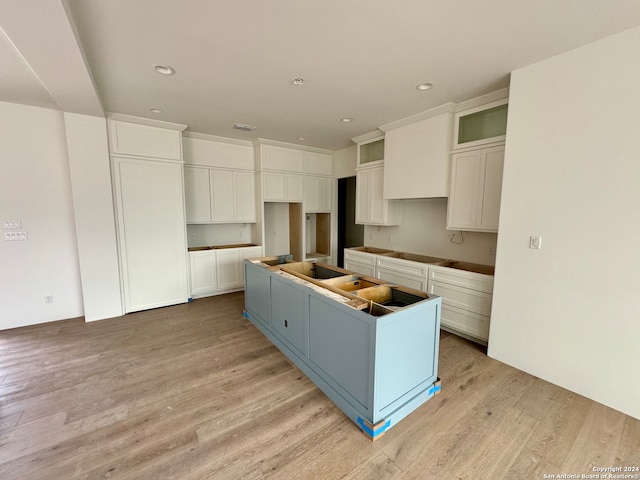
(205, 235)
(94, 216)
(570, 312)
(422, 231)
(344, 162)
(35, 188)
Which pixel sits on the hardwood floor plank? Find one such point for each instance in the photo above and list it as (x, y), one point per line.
(194, 391)
(597, 442)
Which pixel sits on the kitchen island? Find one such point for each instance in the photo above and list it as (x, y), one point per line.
(370, 346)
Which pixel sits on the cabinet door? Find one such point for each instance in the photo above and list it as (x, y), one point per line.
(273, 187)
(202, 272)
(362, 197)
(229, 263)
(324, 195)
(378, 207)
(463, 199)
(196, 194)
(152, 237)
(489, 204)
(288, 316)
(294, 188)
(311, 194)
(318, 163)
(244, 197)
(280, 158)
(222, 194)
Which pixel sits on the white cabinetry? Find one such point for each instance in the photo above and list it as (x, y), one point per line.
(132, 139)
(476, 184)
(282, 159)
(282, 187)
(318, 164)
(217, 271)
(151, 232)
(219, 196)
(403, 272)
(371, 207)
(202, 272)
(466, 301)
(416, 159)
(318, 194)
(149, 201)
(360, 262)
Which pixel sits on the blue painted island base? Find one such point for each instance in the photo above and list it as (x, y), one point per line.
(371, 347)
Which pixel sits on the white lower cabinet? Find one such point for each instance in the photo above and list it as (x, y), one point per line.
(466, 301)
(218, 271)
(202, 272)
(360, 262)
(403, 272)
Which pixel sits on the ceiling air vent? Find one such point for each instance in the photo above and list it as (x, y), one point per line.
(242, 126)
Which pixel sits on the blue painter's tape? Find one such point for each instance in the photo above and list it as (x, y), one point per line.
(434, 389)
(245, 315)
(371, 432)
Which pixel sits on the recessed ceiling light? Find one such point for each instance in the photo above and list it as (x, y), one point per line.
(297, 81)
(301, 139)
(346, 119)
(242, 126)
(424, 86)
(164, 69)
(155, 110)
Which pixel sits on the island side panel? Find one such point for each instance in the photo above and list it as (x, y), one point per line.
(406, 365)
(340, 347)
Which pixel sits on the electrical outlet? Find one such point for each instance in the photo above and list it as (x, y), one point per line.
(48, 298)
(390, 239)
(492, 251)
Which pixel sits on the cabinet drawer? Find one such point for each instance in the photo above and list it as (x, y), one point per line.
(406, 280)
(367, 269)
(451, 276)
(359, 257)
(463, 298)
(403, 266)
(465, 322)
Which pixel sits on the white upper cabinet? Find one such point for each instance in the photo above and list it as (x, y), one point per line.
(144, 141)
(476, 185)
(370, 152)
(481, 125)
(318, 164)
(219, 196)
(197, 194)
(318, 194)
(280, 159)
(371, 207)
(416, 159)
(282, 187)
(203, 150)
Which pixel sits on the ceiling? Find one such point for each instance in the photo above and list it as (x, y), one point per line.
(235, 60)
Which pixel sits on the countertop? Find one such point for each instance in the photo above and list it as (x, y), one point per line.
(442, 262)
(220, 247)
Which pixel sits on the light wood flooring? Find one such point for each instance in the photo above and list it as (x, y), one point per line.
(194, 391)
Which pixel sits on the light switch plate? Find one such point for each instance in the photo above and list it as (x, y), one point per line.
(535, 242)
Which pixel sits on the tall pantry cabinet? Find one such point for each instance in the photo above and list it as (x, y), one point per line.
(147, 174)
